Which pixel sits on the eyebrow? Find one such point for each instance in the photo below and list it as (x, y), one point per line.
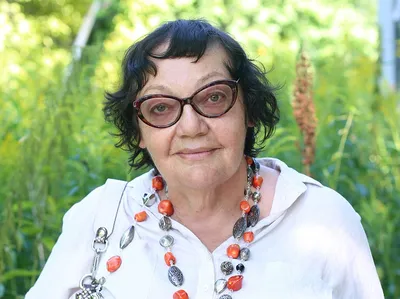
(203, 80)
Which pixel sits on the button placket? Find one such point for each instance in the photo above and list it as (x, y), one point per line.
(206, 275)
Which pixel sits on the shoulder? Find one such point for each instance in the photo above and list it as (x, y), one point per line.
(85, 208)
(102, 197)
(328, 204)
(323, 214)
(308, 200)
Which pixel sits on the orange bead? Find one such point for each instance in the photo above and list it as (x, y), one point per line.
(249, 160)
(248, 237)
(257, 181)
(169, 259)
(235, 283)
(165, 207)
(233, 251)
(157, 183)
(181, 294)
(114, 263)
(245, 206)
(141, 216)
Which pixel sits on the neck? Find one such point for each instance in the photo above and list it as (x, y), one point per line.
(221, 200)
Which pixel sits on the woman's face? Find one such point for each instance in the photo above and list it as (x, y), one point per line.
(196, 152)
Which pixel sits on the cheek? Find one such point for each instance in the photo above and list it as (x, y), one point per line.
(156, 141)
(234, 136)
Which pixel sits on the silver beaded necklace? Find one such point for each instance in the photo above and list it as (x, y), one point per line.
(91, 287)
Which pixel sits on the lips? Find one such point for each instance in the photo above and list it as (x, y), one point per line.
(191, 151)
(195, 154)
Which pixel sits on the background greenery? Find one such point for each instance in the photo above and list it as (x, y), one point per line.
(55, 147)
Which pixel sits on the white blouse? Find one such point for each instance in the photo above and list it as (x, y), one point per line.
(312, 245)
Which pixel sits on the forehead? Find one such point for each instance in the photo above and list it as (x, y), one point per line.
(190, 72)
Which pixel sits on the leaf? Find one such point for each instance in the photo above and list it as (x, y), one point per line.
(17, 273)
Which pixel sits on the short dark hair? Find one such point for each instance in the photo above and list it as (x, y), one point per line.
(189, 38)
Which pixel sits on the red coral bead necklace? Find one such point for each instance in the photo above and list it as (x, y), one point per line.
(228, 283)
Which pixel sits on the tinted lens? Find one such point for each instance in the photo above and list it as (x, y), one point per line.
(160, 111)
(214, 100)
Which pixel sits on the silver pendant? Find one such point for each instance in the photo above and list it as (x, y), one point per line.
(166, 241)
(240, 227)
(220, 285)
(165, 223)
(175, 276)
(149, 199)
(92, 290)
(101, 235)
(127, 237)
(253, 216)
(87, 294)
(226, 268)
(244, 254)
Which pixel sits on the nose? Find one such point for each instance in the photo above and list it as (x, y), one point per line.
(191, 124)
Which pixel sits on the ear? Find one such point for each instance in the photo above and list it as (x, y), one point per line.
(142, 144)
(250, 124)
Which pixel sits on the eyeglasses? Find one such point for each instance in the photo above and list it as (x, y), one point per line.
(212, 100)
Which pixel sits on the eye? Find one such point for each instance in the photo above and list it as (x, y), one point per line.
(214, 98)
(160, 108)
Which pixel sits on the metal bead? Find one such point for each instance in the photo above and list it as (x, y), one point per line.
(256, 166)
(220, 285)
(244, 254)
(226, 296)
(127, 237)
(240, 227)
(149, 199)
(227, 268)
(175, 276)
(165, 223)
(249, 173)
(101, 234)
(240, 268)
(166, 241)
(253, 216)
(247, 192)
(102, 281)
(256, 196)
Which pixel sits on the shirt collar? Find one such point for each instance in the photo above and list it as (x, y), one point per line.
(290, 185)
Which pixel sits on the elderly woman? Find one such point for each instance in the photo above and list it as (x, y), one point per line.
(209, 220)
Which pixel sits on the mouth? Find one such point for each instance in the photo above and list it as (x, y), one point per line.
(196, 154)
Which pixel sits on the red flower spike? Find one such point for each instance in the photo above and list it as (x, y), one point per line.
(165, 207)
(141, 216)
(235, 283)
(233, 251)
(169, 258)
(257, 181)
(245, 206)
(181, 294)
(114, 263)
(249, 160)
(248, 237)
(157, 183)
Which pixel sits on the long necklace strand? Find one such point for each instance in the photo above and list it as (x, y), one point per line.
(241, 230)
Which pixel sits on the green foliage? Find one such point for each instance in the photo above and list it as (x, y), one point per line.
(55, 147)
